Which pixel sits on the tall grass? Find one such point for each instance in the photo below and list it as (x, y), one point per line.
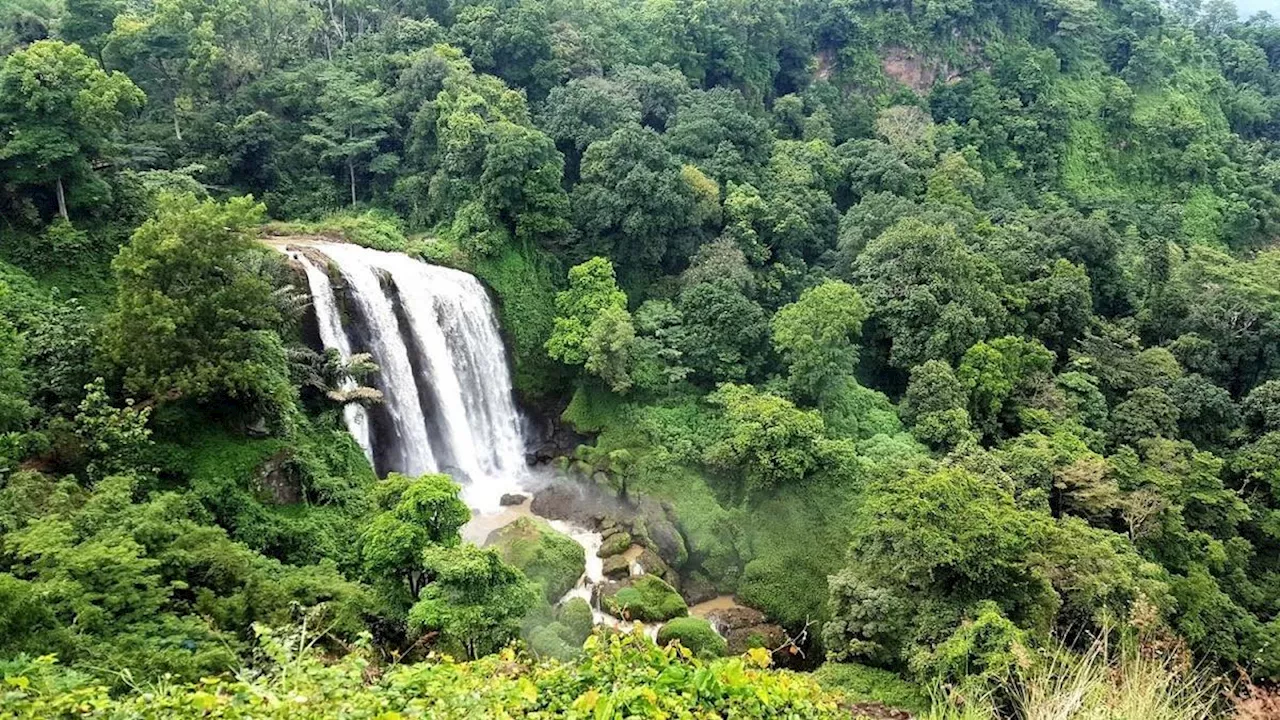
(1121, 681)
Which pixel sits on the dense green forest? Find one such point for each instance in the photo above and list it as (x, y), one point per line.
(943, 333)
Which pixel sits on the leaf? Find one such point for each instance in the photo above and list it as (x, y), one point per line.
(760, 657)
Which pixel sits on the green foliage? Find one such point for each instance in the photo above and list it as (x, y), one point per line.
(192, 320)
(815, 335)
(620, 676)
(549, 558)
(417, 514)
(472, 599)
(591, 318)
(769, 438)
(931, 295)
(116, 439)
(60, 111)
(859, 683)
(695, 634)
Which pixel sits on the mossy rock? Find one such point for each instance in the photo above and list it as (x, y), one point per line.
(576, 617)
(614, 544)
(550, 558)
(647, 598)
(695, 634)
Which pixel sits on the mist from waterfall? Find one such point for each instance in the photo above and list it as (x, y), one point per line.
(447, 396)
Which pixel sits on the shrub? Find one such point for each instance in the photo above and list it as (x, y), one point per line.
(695, 634)
(860, 683)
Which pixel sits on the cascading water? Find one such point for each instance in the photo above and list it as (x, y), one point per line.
(447, 398)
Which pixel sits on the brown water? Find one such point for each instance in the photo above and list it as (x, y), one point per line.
(722, 602)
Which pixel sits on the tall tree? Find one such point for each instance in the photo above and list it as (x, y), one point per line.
(351, 125)
(58, 114)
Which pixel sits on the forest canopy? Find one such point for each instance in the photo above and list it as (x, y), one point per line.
(942, 335)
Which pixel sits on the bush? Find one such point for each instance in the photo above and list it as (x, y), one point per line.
(648, 599)
(860, 683)
(575, 615)
(552, 559)
(695, 634)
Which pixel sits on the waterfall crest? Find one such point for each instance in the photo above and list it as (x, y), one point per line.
(447, 396)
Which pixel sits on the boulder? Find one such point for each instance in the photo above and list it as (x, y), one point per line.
(695, 634)
(561, 502)
(617, 567)
(615, 543)
(765, 636)
(509, 499)
(697, 588)
(646, 598)
(668, 541)
(653, 564)
(550, 558)
(736, 618)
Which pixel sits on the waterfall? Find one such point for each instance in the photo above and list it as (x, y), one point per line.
(447, 396)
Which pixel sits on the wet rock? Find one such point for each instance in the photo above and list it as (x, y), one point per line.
(279, 485)
(653, 564)
(646, 598)
(614, 544)
(558, 502)
(509, 499)
(668, 541)
(762, 636)
(617, 568)
(736, 618)
(550, 558)
(697, 588)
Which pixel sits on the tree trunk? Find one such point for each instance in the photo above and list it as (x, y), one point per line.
(62, 201)
(177, 130)
(351, 172)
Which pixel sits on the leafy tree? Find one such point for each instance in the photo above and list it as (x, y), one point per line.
(586, 110)
(191, 318)
(472, 598)
(816, 334)
(726, 333)
(350, 126)
(417, 514)
(633, 204)
(1000, 373)
(592, 325)
(59, 113)
(925, 546)
(932, 297)
(773, 442)
(115, 439)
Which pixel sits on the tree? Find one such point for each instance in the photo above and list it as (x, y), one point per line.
(586, 110)
(927, 546)
(771, 441)
(417, 514)
(352, 123)
(58, 114)
(932, 297)
(816, 336)
(472, 598)
(191, 318)
(592, 325)
(998, 375)
(726, 333)
(633, 204)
